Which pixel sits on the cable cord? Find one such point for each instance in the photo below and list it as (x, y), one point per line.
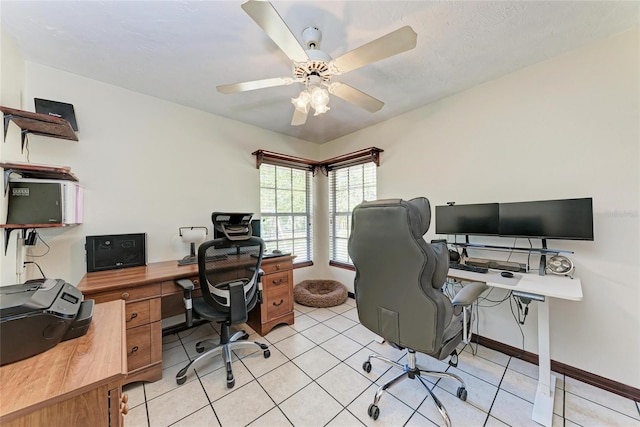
(37, 265)
(519, 327)
(44, 243)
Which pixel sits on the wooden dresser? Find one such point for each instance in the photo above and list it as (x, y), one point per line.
(277, 295)
(76, 383)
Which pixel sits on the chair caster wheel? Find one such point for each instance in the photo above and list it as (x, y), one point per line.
(199, 349)
(231, 381)
(373, 411)
(181, 380)
(245, 336)
(366, 366)
(267, 353)
(462, 394)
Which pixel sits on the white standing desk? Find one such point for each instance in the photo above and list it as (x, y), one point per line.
(549, 286)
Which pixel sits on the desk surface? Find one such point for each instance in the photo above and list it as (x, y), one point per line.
(109, 280)
(551, 285)
(68, 369)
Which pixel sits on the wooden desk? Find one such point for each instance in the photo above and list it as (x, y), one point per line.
(549, 286)
(151, 295)
(76, 383)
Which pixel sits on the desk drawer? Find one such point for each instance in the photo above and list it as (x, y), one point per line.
(275, 266)
(128, 294)
(138, 347)
(278, 302)
(276, 280)
(142, 312)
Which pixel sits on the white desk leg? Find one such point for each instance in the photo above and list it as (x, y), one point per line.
(543, 405)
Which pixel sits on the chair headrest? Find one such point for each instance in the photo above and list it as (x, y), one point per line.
(419, 212)
(423, 208)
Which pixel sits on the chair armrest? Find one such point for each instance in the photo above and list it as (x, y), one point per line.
(185, 284)
(468, 294)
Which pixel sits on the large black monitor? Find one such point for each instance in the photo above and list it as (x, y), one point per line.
(568, 219)
(479, 219)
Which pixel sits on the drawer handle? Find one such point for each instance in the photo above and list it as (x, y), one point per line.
(196, 282)
(277, 266)
(278, 282)
(125, 295)
(133, 316)
(133, 350)
(278, 304)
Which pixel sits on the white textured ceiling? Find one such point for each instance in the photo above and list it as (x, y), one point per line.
(181, 50)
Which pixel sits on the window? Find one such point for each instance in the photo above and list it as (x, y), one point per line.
(285, 210)
(348, 187)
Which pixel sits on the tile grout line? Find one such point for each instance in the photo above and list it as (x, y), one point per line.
(496, 395)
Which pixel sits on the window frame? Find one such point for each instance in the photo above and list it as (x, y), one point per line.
(335, 253)
(299, 261)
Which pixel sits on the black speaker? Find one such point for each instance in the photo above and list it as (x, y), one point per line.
(115, 251)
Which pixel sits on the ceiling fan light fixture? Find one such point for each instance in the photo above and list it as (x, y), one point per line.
(302, 102)
(319, 100)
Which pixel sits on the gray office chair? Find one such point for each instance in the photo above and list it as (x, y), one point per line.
(398, 284)
(229, 273)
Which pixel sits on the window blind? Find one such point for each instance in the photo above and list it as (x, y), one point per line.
(286, 210)
(348, 187)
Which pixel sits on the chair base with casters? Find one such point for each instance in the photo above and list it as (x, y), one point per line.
(224, 347)
(412, 371)
(227, 342)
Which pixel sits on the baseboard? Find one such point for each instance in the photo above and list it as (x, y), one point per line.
(561, 368)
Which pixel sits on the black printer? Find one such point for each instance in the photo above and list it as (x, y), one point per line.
(37, 315)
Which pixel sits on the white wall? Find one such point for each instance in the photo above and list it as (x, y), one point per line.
(564, 128)
(11, 91)
(147, 165)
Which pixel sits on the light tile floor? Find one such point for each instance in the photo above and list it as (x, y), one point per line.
(314, 377)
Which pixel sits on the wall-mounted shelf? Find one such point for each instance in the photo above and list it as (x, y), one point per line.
(38, 124)
(33, 170)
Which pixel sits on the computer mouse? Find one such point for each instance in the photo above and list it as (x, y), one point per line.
(506, 274)
(276, 251)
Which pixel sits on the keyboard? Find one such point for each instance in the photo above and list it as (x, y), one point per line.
(465, 267)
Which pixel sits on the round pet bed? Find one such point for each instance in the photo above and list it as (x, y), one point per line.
(320, 293)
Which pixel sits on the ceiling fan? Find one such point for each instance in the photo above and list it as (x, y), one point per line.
(314, 68)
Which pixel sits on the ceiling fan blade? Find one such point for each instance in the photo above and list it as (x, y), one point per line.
(356, 97)
(255, 84)
(270, 21)
(393, 43)
(299, 117)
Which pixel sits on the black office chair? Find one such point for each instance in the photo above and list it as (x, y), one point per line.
(398, 289)
(229, 272)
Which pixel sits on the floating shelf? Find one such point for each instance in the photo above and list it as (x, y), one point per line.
(38, 124)
(34, 170)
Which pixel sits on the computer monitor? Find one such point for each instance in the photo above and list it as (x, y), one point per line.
(479, 219)
(568, 219)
